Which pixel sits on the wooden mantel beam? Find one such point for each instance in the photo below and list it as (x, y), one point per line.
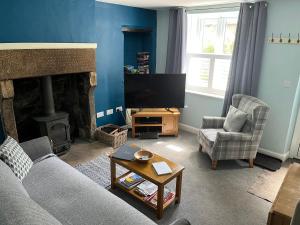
(36, 62)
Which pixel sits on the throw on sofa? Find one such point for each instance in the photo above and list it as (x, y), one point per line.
(223, 145)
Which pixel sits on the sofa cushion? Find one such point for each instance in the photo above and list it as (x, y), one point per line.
(14, 156)
(16, 205)
(74, 199)
(9, 183)
(235, 120)
(209, 135)
(20, 209)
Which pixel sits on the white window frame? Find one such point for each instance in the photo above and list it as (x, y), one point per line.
(209, 89)
(212, 57)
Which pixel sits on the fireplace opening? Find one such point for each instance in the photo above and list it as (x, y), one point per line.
(56, 106)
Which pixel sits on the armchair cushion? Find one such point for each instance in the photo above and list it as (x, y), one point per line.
(233, 136)
(209, 135)
(235, 120)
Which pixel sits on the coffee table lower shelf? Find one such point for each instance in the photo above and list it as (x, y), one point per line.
(147, 172)
(137, 196)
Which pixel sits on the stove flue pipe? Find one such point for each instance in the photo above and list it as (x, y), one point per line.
(47, 96)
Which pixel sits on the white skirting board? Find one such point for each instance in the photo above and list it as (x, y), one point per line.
(188, 128)
(276, 155)
(264, 151)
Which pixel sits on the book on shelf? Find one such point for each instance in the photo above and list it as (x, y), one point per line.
(168, 195)
(131, 180)
(146, 188)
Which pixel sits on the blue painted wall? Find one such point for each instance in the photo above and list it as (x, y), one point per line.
(110, 54)
(47, 21)
(80, 21)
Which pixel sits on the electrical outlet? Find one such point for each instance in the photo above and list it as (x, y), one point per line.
(109, 111)
(119, 109)
(100, 114)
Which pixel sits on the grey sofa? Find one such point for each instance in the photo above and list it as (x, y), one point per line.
(54, 193)
(222, 145)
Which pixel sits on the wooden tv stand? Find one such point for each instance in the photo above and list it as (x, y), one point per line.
(163, 120)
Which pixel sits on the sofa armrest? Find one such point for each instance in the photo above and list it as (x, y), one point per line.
(181, 222)
(233, 136)
(212, 122)
(37, 148)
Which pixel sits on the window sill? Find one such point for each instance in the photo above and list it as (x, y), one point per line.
(205, 94)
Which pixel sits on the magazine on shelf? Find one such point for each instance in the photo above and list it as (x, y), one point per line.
(131, 180)
(146, 188)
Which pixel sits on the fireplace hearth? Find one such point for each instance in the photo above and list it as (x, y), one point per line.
(48, 90)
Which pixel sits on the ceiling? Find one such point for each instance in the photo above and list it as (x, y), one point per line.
(155, 4)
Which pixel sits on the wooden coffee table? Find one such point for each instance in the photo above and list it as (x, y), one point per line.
(147, 171)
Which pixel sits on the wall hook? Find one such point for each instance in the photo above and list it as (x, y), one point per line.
(280, 40)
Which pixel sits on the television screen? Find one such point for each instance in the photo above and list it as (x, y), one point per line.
(154, 90)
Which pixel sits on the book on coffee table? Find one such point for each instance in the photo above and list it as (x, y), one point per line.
(161, 168)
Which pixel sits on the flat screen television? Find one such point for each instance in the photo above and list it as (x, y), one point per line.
(154, 90)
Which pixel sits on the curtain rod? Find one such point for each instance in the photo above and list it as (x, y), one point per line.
(219, 7)
(214, 7)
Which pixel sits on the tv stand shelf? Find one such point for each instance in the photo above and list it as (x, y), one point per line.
(165, 119)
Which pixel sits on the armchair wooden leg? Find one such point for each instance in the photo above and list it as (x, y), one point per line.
(200, 148)
(251, 163)
(214, 164)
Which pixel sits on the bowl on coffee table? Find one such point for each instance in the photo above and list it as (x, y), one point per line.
(143, 156)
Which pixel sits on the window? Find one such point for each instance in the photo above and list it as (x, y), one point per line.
(210, 41)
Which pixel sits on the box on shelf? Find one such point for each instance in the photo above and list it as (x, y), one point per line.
(112, 135)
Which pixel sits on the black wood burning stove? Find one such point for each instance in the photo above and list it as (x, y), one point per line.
(53, 124)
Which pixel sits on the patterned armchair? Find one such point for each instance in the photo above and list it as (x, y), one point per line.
(222, 145)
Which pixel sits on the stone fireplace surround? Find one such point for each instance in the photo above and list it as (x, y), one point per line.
(27, 62)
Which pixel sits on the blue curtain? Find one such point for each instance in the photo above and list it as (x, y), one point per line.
(176, 40)
(247, 54)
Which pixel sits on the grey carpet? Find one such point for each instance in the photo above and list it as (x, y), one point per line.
(208, 197)
(98, 170)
